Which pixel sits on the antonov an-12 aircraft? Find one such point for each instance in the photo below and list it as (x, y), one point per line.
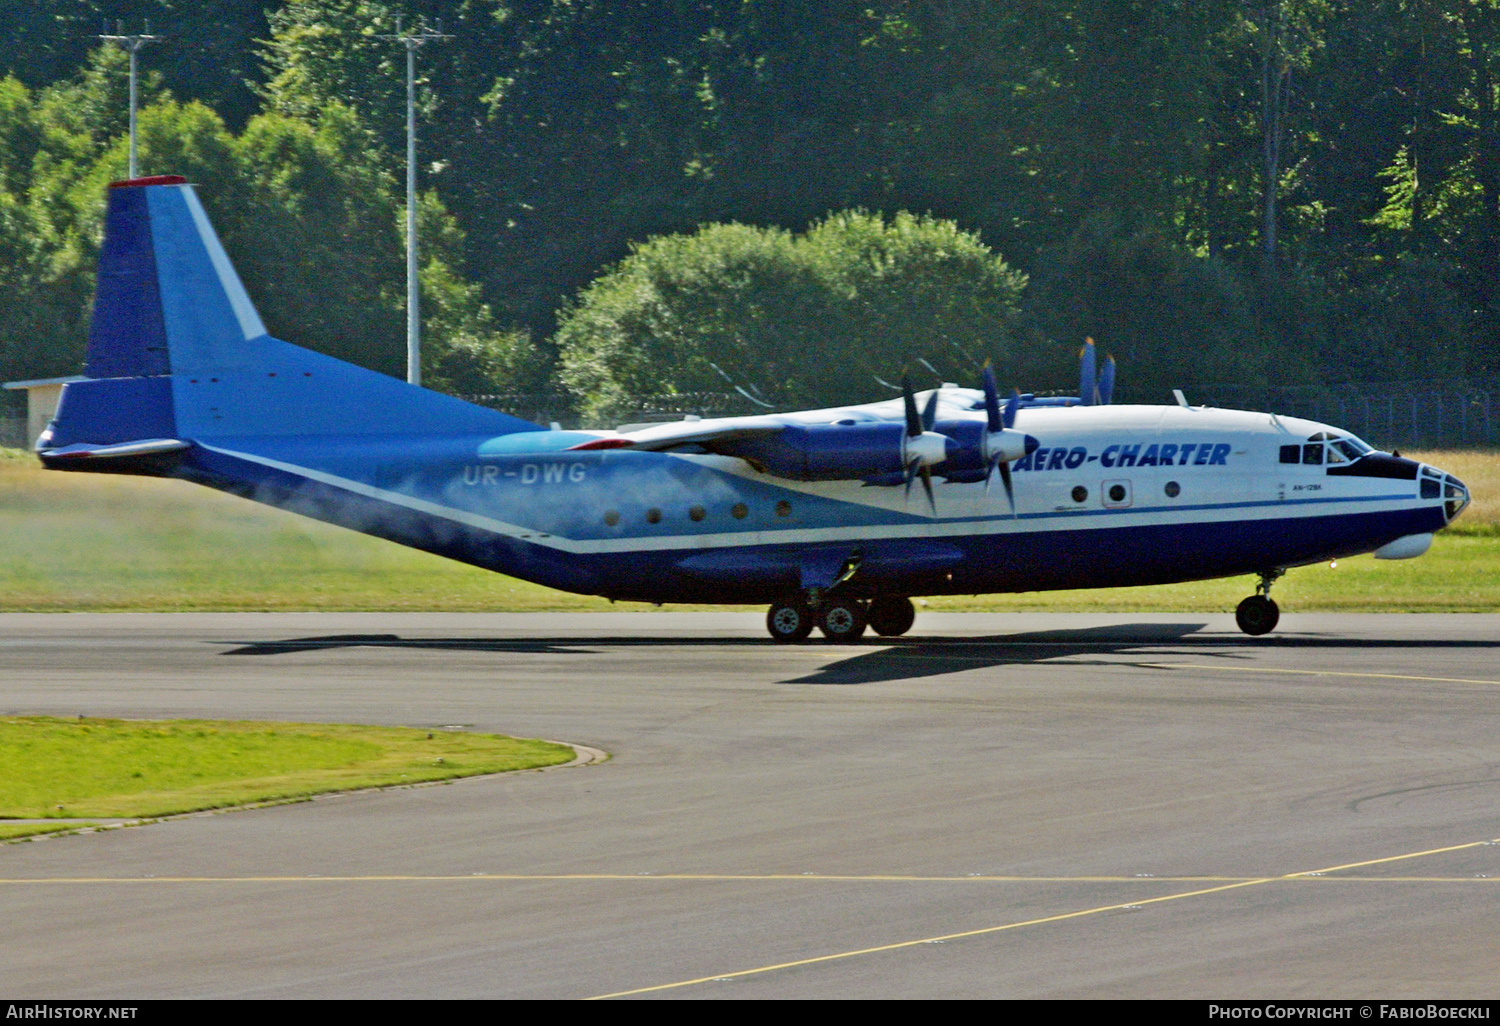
(814, 513)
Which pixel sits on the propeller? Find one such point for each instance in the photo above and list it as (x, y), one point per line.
(1088, 387)
(924, 447)
(998, 424)
(1107, 381)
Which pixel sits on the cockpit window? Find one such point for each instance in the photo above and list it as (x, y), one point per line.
(1312, 452)
(1347, 448)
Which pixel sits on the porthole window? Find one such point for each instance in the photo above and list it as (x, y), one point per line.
(653, 516)
(612, 517)
(1173, 489)
(783, 508)
(1117, 493)
(740, 511)
(697, 513)
(1080, 494)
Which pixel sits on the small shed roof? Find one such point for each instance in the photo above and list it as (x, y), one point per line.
(38, 382)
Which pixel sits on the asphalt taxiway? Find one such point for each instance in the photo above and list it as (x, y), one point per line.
(1026, 805)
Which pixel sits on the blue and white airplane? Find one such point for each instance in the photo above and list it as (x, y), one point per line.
(813, 513)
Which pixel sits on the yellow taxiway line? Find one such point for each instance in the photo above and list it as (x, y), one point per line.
(316, 878)
(1120, 906)
(1312, 673)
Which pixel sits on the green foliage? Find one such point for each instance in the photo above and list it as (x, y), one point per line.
(206, 53)
(808, 319)
(309, 212)
(1170, 317)
(561, 133)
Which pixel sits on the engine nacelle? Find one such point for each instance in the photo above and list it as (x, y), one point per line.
(975, 449)
(841, 452)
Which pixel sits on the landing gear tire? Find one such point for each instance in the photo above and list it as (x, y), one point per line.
(790, 621)
(892, 617)
(1257, 615)
(842, 620)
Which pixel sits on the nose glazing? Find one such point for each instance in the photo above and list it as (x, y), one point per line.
(1455, 496)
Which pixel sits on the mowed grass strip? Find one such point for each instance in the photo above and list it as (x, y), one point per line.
(67, 768)
(100, 543)
(9, 831)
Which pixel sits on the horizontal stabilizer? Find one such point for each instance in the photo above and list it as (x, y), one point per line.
(145, 447)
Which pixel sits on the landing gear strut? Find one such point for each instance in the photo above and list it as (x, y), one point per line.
(1259, 613)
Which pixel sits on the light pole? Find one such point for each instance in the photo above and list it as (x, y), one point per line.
(132, 45)
(413, 40)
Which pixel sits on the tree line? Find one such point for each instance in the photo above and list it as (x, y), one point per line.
(624, 198)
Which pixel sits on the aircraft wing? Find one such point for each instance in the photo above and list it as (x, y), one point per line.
(687, 432)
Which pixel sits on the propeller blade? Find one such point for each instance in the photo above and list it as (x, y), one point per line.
(929, 414)
(911, 473)
(1107, 381)
(1010, 491)
(926, 473)
(992, 401)
(913, 419)
(1011, 406)
(1087, 376)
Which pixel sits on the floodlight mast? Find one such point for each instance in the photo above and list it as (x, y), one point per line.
(131, 44)
(413, 39)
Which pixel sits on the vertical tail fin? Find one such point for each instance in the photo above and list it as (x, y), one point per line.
(173, 320)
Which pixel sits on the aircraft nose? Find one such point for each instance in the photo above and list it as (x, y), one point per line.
(1455, 497)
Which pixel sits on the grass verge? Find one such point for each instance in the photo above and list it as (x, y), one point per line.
(11, 831)
(85, 542)
(54, 768)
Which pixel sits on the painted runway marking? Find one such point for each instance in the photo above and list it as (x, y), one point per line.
(1314, 673)
(318, 878)
(1131, 905)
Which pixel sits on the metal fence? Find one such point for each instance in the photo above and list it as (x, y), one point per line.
(1388, 414)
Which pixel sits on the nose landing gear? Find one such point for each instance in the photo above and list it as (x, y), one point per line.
(1259, 613)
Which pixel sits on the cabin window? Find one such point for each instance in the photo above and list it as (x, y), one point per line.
(783, 508)
(739, 511)
(1173, 489)
(697, 513)
(612, 517)
(1117, 493)
(1080, 494)
(653, 516)
(1291, 454)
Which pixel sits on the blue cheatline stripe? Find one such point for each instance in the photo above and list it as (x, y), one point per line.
(1040, 560)
(949, 528)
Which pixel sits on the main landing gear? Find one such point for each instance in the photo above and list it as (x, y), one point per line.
(1259, 613)
(841, 620)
